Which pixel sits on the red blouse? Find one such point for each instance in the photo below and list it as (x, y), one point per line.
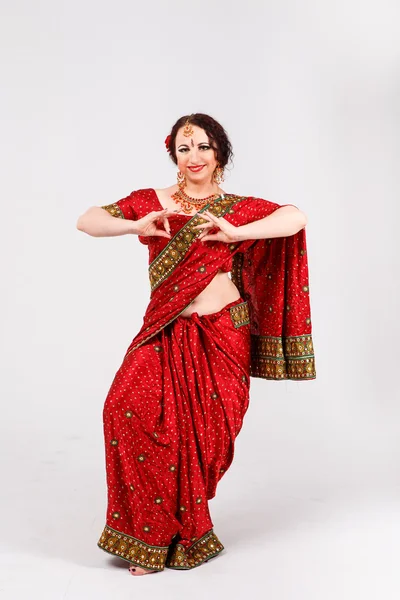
(138, 204)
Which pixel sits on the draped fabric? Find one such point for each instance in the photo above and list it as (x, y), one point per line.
(178, 401)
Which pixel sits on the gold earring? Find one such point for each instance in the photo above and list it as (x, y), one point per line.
(218, 175)
(181, 179)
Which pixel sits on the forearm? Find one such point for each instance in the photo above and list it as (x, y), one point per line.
(283, 222)
(97, 222)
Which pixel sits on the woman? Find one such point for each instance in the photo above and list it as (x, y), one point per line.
(177, 402)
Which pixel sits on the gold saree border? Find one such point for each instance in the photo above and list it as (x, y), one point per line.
(240, 314)
(202, 550)
(219, 208)
(282, 357)
(114, 210)
(132, 549)
(174, 252)
(236, 271)
(277, 358)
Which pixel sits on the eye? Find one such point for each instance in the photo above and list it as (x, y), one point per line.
(204, 147)
(182, 150)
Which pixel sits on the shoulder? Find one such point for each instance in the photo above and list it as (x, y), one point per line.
(141, 201)
(146, 197)
(253, 207)
(167, 192)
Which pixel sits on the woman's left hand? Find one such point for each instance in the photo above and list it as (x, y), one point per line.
(227, 232)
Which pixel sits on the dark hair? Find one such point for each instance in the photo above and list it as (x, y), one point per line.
(217, 136)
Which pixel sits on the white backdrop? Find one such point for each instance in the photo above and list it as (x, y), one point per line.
(309, 94)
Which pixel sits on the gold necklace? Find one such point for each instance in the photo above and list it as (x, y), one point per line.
(187, 202)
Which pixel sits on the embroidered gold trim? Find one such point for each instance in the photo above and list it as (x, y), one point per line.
(276, 357)
(240, 314)
(133, 550)
(235, 199)
(175, 251)
(236, 271)
(204, 549)
(282, 358)
(114, 210)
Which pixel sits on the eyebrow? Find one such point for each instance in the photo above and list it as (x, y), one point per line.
(200, 144)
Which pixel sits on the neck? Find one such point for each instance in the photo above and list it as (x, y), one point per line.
(202, 190)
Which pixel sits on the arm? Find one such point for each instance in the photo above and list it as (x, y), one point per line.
(97, 222)
(284, 221)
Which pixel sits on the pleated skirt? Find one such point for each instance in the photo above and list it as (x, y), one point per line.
(171, 417)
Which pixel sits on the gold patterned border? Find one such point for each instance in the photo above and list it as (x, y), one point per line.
(114, 210)
(240, 314)
(202, 550)
(175, 251)
(282, 358)
(236, 271)
(133, 550)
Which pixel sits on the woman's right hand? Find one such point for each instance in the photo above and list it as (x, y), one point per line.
(147, 225)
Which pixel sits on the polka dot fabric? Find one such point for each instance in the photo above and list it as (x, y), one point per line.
(171, 418)
(178, 401)
(270, 274)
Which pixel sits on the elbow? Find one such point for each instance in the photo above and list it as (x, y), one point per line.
(296, 219)
(80, 225)
(301, 221)
(88, 221)
(83, 224)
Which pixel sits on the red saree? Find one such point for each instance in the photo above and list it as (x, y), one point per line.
(178, 401)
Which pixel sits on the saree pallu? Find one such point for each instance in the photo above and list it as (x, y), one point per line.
(177, 403)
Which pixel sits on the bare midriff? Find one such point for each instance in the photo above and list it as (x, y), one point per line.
(220, 291)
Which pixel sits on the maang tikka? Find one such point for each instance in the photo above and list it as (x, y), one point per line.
(188, 129)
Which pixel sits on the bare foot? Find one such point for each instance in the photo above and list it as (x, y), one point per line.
(134, 570)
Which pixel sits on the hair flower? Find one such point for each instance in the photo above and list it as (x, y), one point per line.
(167, 140)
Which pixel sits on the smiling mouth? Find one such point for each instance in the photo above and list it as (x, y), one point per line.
(196, 169)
